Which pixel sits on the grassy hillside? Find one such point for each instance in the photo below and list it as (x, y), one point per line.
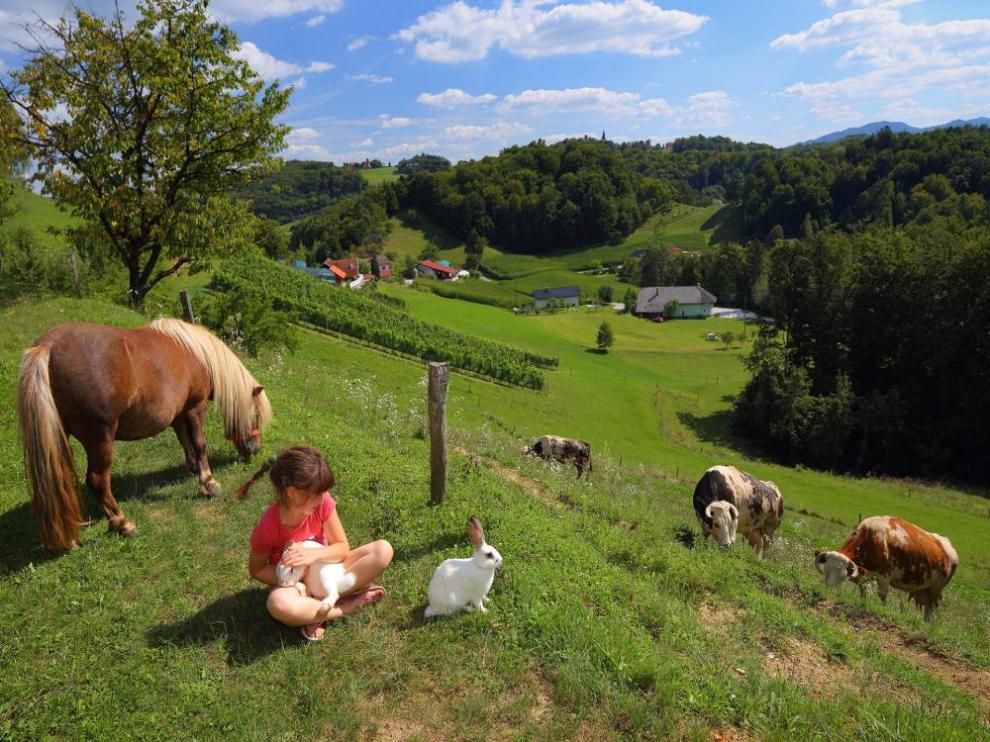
(377, 175)
(41, 215)
(412, 231)
(604, 622)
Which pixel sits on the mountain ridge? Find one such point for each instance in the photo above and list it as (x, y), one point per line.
(896, 126)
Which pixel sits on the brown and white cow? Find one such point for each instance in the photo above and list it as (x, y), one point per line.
(726, 499)
(896, 554)
(564, 450)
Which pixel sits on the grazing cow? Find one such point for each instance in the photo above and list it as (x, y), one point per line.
(564, 450)
(726, 499)
(894, 553)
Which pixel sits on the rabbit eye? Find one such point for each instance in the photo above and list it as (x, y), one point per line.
(489, 554)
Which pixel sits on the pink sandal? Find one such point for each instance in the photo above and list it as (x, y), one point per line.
(367, 596)
(309, 630)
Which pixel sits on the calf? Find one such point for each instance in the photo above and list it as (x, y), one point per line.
(894, 553)
(726, 499)
(564, 450)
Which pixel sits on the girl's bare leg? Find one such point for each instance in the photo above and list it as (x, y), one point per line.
(367, 562)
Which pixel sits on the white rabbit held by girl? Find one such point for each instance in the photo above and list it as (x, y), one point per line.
(463, 584)
(330, 576)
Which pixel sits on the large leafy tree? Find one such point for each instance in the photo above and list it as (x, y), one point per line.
(142, 131)
(12, 156)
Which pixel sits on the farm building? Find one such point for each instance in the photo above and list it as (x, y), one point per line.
(568, 295)
(343, 270)
(435, 270)
(692, 301)
(322, 273)
(384, 266)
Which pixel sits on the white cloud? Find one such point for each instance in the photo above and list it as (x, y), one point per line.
(307, 152)
(836, 113)
(367, 142)
(368, 77)
(255, 10)
(303, 132)
(868, 3)
(393, 122)
(267, 66)
(538, 28)
(316, 20)
(898, 59)
(710, 109)
(571, 99)
(410, 148)
(359, 42)
(452, 97)
(270, 68)
(299, 83)
(501, 130)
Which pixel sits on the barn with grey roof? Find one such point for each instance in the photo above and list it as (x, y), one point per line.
(692, 301)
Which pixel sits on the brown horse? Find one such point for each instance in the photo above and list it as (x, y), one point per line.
(102, 384)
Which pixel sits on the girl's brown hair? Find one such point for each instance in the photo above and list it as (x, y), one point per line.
(301, 467)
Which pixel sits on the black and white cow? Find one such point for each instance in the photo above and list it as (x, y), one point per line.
(564, 450)
(726, 499)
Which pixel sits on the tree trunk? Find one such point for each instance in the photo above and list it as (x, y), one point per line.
(136, 288)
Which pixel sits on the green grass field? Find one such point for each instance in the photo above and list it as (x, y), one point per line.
(41, 216)
(604, 623)
(610, 619)
(411, 232)
(377, 175)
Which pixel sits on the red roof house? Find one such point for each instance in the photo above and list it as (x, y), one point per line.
(435, 270)
(343, 270)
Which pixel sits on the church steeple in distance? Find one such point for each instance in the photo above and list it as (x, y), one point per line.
(603, 135)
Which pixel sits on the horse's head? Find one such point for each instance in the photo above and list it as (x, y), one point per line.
(248, 443)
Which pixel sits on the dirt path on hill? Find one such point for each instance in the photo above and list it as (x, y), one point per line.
(952, 670)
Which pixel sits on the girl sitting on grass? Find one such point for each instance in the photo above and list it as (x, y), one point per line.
(304, 511)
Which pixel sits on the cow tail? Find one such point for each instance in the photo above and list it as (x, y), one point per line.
(47, 455)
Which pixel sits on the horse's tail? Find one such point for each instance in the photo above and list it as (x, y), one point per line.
(47, 455)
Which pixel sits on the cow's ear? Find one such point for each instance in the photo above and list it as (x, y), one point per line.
(734, 510)
(852, 571)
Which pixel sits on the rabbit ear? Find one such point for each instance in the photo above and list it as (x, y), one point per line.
(476, 532)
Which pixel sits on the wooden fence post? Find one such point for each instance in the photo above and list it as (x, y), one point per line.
(439, 376)
(187, 306)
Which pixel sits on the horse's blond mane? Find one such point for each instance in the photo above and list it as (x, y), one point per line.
(233, 384)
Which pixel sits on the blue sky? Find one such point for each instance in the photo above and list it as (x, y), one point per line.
(464, 79)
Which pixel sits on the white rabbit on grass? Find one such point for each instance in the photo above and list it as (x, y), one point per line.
(330, 576)
(463, 584)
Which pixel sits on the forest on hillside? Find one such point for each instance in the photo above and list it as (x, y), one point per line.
(540, 197)
(301, 187)
(878, 361)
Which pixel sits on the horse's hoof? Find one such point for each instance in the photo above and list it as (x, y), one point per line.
(121, 526)
(211, 488)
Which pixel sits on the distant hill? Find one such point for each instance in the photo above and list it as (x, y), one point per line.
(301, 187)
(895, 126)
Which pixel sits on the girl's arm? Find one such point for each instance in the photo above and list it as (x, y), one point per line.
(336, 550)
(260, 569)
